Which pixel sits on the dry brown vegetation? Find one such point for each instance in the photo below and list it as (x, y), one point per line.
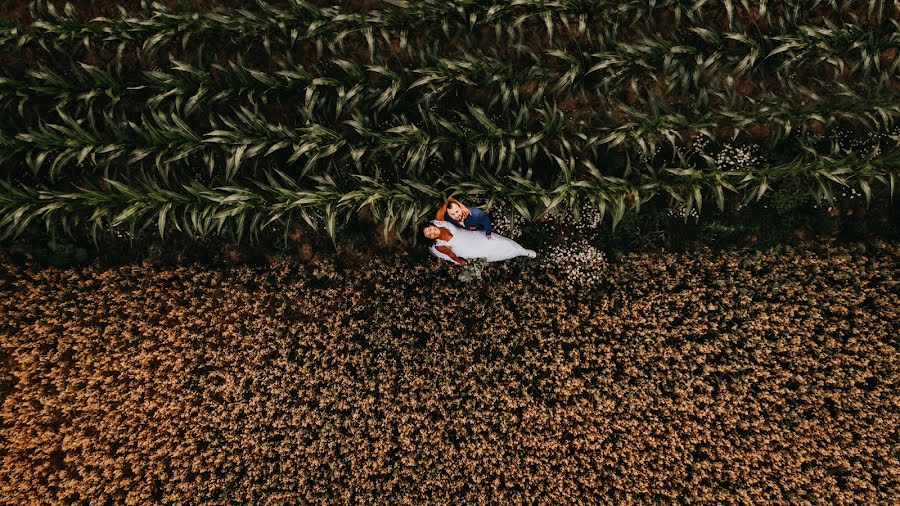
(763, 378)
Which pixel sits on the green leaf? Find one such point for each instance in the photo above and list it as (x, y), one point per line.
(522, 209)
(866, 190)
(761, 189)
(720, 197)
(163, 212)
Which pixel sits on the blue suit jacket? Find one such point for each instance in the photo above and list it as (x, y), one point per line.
(477, 220)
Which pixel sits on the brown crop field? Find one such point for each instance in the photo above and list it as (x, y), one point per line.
(742, 377)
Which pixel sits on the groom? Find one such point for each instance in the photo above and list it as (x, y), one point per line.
(470, 218)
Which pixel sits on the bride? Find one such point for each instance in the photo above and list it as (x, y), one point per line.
(455, 244)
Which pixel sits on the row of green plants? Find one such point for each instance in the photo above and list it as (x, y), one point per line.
(212, 142)
(849, 44)
(157, 25)
(680, 68)
(471, 139)
(333, 98)
(509, 139)
(249, 206)
(328, 97)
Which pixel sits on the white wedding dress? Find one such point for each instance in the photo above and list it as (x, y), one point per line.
(475, 244)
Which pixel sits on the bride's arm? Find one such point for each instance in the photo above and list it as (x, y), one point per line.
(449, 252)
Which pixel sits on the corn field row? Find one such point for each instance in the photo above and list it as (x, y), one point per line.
(683, 69)
(241, 121)
(691, 53)
(158, 26)
(251, 205)
(245, 137)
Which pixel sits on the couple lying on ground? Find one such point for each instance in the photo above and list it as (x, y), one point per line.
(461, 233)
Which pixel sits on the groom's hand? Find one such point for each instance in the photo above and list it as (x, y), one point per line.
(489, 236)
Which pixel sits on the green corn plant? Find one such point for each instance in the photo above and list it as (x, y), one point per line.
(397, 206)
(640, 54)
(12, 36)
(193, 87)
(60, 30)
(164, 138)
(494, 135)
(249, 136)
(847, 48)
(158, 27)
(83, 84)
(13, 94)
(248, 206)
(476, 139)
(291, 200)
(461, 17)
(789, 14)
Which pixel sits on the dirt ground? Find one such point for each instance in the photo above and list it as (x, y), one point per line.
(766, 378)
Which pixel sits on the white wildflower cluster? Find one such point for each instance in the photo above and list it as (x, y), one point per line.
(850, 193)
(573, 257)
(682, 213)
(699, 145)
(579, 261)
(848, 142)
(863, 145)
(506, 220)
(588, 220)
(847, 196)
(737, 157)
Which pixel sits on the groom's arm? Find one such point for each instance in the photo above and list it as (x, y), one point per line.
(481, 217)
(449, 252)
